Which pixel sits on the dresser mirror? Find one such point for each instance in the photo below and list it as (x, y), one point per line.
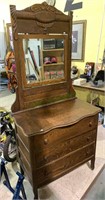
(42, 46)
(43, 59)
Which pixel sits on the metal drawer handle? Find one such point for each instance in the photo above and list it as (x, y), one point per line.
(90, 124)
(45, 158)
(88, 138)
(45, 141)
(87, 152)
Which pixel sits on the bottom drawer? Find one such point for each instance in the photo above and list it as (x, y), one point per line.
(56, 169)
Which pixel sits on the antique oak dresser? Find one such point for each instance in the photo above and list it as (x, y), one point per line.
(56, 132)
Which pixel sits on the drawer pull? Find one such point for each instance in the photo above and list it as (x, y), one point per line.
(45, 158)
(45, 141)
(57, 156)
(87, 152)
(88, 139)
(90, 124)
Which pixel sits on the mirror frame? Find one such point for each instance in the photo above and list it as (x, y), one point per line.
(41, 20)
(22, 60)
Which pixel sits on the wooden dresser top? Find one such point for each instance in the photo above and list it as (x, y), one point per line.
(43, 119)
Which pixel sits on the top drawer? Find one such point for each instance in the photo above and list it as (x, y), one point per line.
(63, 133)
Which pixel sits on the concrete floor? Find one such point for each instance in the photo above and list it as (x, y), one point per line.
(97, 189)
(69, 187)
(4, 91)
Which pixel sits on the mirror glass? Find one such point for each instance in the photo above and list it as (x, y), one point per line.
(44, 59)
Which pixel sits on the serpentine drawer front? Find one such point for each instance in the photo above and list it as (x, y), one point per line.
(63, 133)
(53, 159)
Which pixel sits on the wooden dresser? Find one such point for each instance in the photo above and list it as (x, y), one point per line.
(56, 132)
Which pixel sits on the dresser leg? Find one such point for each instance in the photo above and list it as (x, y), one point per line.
(35, 194)
(92, 163)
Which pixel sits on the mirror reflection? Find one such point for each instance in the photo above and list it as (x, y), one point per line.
(44, 59)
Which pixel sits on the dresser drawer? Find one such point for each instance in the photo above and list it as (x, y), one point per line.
(47, 155)
(61, 166)
(60, 134)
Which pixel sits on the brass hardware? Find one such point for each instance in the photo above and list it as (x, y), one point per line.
(45, 141)
(90, 124)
